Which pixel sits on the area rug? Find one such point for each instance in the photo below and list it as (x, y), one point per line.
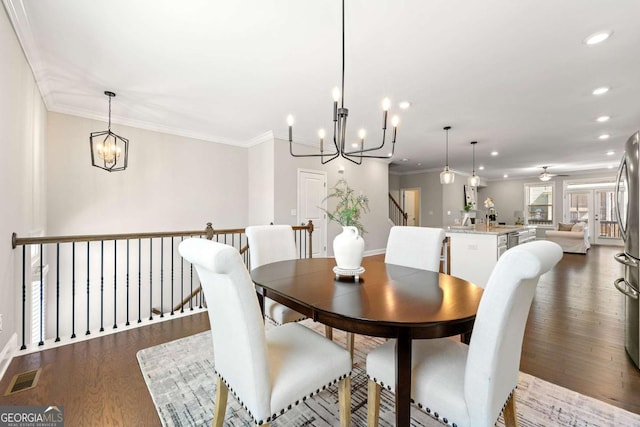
(181, 381)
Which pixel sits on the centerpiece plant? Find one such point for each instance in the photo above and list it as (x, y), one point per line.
(348, 246)
(349, 206)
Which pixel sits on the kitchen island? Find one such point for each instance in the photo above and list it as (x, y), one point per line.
(474, 250)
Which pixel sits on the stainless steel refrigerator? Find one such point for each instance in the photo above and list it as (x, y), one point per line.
(628, 213)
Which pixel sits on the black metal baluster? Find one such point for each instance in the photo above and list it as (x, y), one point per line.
(139, 280)
(41, 299)
(57, 292)
(182, 279)
(151, 278)
(88, 282)
(73, 289)
(173, 255)
(161, 277)
(127, 324)
(101, 285)
(115, 283)
(191, 299)
(201, 293)
(24, 296)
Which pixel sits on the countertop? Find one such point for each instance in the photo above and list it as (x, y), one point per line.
(482, 229)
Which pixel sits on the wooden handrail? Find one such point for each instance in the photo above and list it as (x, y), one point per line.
(208, 231)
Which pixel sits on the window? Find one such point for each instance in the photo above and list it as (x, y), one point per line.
(538, 199)
(578, 209)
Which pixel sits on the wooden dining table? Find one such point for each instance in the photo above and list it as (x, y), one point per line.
(388, 301)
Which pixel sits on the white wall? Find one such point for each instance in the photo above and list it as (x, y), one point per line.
(431, 199)
(508, 197)
(22, 191)
(371, 178)
(172, 182)
(261, 184)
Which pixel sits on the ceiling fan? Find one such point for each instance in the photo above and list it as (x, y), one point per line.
(546, 176)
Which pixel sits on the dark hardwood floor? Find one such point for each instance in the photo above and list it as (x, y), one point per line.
(574, 338)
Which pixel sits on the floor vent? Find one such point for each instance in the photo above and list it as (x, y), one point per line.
(23, 381)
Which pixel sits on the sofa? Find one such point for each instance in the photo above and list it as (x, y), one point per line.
(572, 238)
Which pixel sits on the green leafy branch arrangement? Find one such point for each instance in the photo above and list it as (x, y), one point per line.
(350, 206)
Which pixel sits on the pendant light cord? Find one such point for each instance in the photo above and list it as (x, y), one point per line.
(109, 113)
(474, 159)
(342, 88)
(447, 150)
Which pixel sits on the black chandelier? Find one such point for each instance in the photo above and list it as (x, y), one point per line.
(340, 129)
(108, 150)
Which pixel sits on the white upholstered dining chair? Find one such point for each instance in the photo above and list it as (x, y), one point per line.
(267, 244)
(417, 247)
(470, 385)
(270, 372)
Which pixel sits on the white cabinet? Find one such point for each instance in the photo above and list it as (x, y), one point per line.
(474, 253)
(473, 256)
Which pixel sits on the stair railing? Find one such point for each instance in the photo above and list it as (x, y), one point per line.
(396, 214)
(129, 278)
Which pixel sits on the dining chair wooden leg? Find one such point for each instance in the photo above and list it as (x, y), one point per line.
(344, 399)
(350, 343)
(220, 403)
(373, 403)
(328, 332)
(509, 412)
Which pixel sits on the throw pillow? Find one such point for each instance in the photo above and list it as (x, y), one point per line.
(564, 227)
(579, 226)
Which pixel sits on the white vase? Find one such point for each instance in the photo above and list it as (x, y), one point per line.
(348, 248)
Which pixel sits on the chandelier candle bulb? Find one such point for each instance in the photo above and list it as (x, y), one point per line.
(321, 134)
(336, 94)
(395, 121)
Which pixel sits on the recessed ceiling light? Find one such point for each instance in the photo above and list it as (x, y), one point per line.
(481, 168)
(404, 105)
(598, 37)
(405, 160)
(505, 176)
(610, 153)
(419, 164)
(494, 153)
(604, 136)
(601, 90)
(610, 167)
(603, 119)
(355, 145)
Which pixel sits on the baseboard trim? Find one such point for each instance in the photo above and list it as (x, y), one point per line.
(7, 353)
(375, 252)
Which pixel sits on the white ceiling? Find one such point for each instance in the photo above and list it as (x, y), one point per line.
(513, 75)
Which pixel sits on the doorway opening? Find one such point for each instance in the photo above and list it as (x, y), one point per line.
(410, 203)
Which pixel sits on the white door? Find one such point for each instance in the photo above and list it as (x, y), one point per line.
(607, 231)
(410, 204)
(312, 192)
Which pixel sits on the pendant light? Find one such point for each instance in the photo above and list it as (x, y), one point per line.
(447, 176)
(108, 150)
(474, 180)
(338, 145)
